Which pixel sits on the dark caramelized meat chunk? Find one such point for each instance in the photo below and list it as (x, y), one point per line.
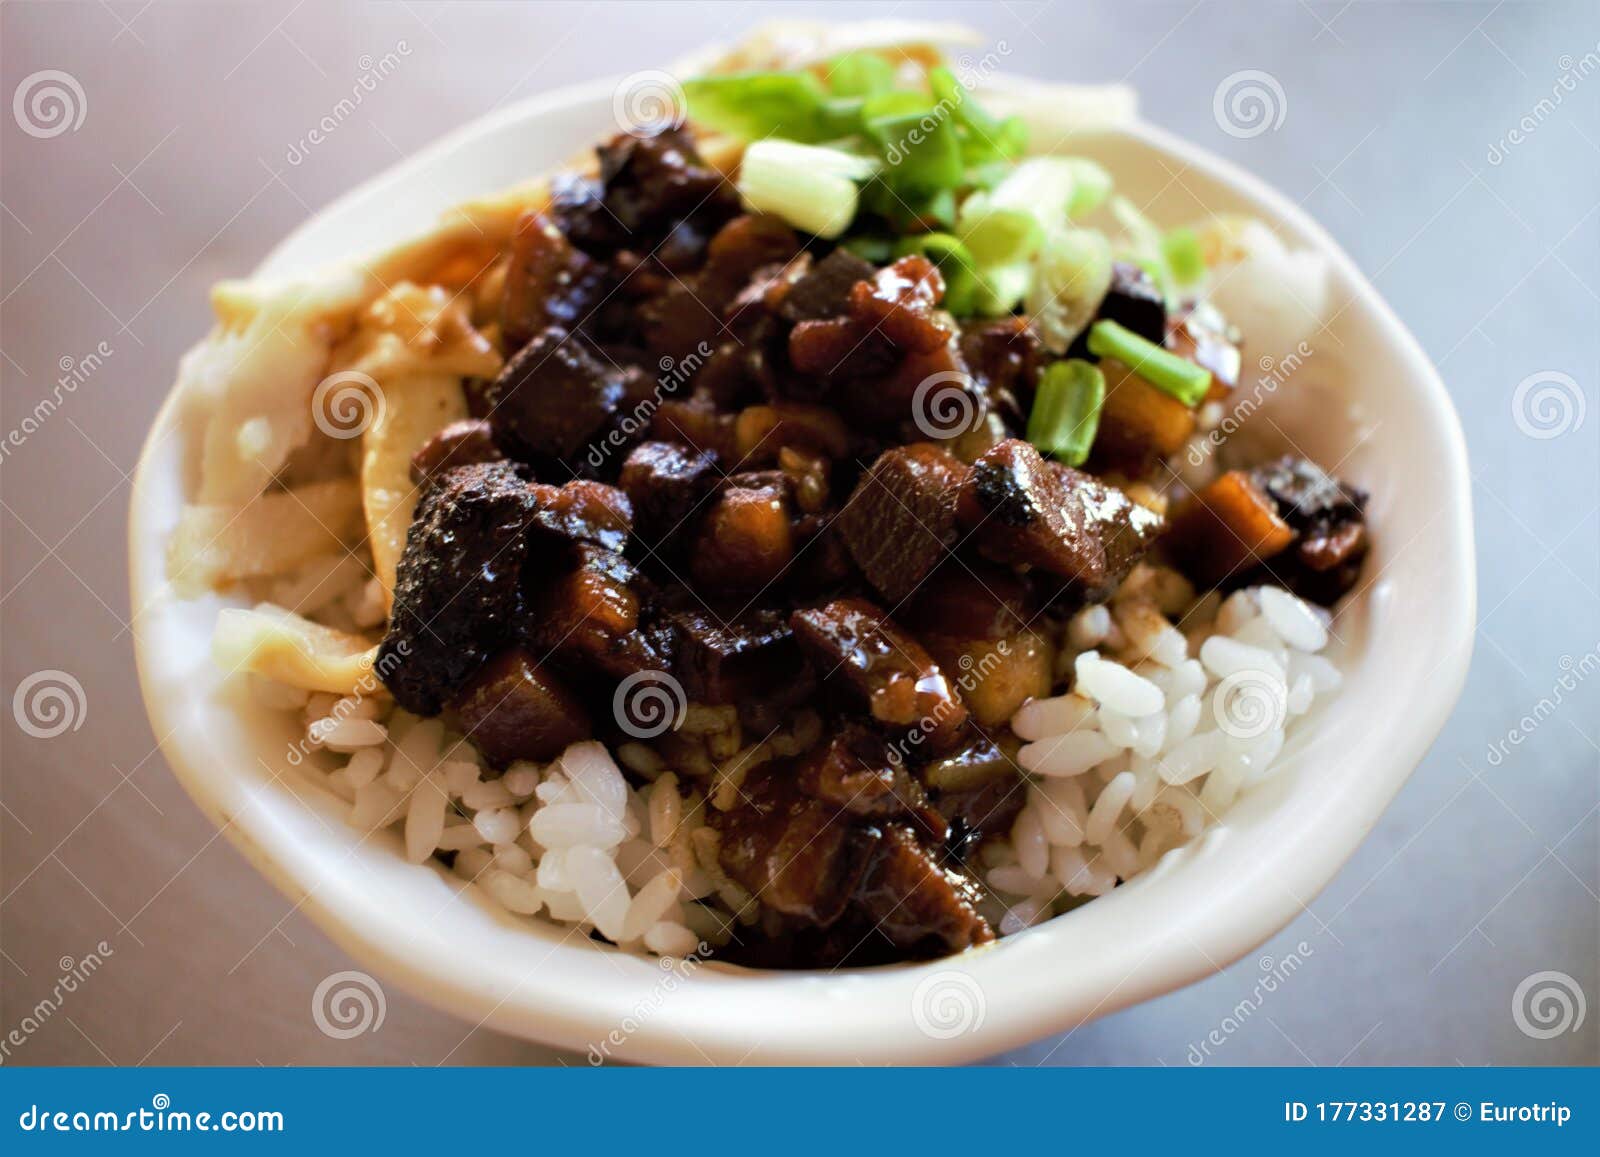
(824, 291)
(1133, 302)
(589, 612)
(901, 519)
(584, 511)
(857, 771)
(796, 854)
(746, 538)
(748, 656)
(1003, 357)
(900, 301)
(1329, 521)
(1023, 510)
(553, 398)
(666, 484)
(921, 907)
(515, 708)
(854, 645)
(652, 182)
(460, 443)
(549, 282)
(457, 592)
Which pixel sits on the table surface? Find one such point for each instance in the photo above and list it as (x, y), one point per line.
(1453, 149)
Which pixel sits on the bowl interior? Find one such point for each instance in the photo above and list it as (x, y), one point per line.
(1389, 427)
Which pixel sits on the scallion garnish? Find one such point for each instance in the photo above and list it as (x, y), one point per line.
(811, 188)
(1181, 248)
(1166, 371)
(1066, 410)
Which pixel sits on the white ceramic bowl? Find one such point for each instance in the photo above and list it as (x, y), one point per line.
(1406, 644)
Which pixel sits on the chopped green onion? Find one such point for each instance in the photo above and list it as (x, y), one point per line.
(1039, 185)
(984, 137)
(1143, 242)
(1091, 185)
(1072, 272)
(809, 187)
(920, 150)
(871, 247)
(860, 74)
(1001, 288)
(757, 105)
(956, 264)
(1164, 370)
(1066, 410)
(1181, 249)
(998, 235)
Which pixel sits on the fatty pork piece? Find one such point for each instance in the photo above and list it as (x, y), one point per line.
(900, 521)
(554, 398)
(745, 540)
(460, 443)
(751, 656)
(880, 668)
(923, 907)
(548, 282)
(584, 605)
(1023, 510)
(652, 182)
(859, 772)
(666, 483)
(515, 707)
(459, 586)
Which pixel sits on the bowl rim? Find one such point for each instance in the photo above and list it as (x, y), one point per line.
(874, 1001)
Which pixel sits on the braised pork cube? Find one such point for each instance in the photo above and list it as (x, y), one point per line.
(859, 772)
(923, 908)
(457, 586)
(900, 521)
(666, 483)
(901, 302)
(746, 537)
(553, 398)
(858, 648)
(1329, 521)
(824, 291)
(584, 607)
(549, 282)
(516, 708)
(797, 855)
(748, 656)
(979, 790)
(586, 511)
(696, 422)
(652, 182)
(1025, 511)
(1003, 358)
(460, 443)
(1229, 526)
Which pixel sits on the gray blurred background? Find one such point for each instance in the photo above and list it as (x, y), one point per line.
(1398, 136)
